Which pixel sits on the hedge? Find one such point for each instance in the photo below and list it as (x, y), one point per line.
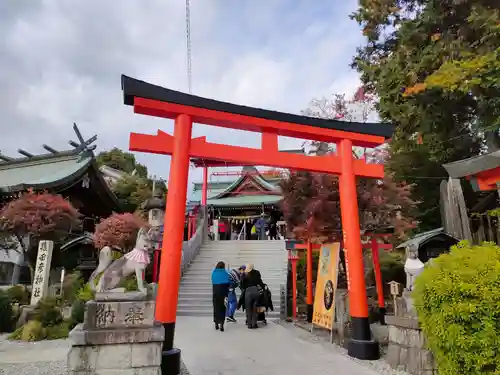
(457, 298)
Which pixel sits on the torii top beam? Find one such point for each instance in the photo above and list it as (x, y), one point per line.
(157, 101)
(149, 99)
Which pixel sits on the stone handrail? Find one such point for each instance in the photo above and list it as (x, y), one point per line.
(190, 248)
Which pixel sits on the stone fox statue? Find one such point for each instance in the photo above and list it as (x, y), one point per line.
(112, 272)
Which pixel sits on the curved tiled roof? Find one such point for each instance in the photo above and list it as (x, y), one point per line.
(52, 171)
(40, 173)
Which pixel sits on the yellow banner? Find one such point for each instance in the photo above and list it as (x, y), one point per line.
(326, 285)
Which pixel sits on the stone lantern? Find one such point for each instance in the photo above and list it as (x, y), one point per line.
(155, 206)
(413, 267)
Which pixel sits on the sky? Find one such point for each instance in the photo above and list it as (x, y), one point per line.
(61, 62)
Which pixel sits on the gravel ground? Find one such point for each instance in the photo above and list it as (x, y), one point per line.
(36, 358)
(380, 366)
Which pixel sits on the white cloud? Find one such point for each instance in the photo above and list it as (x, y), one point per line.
(62, 61)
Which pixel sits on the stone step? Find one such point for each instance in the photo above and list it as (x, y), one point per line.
(275, 291)
(207, 300)
(249, 242)
(269, 257)
(228, 250)
(206, 285)
(242, 253)
(207, 293)
(204, 288)
(206, 276)
(206, 305)
(249, 249)
(240, 316)
(266, 275)
(244, 247)
(240, 259)
(208, 268)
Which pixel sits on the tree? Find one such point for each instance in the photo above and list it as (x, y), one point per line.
(360, 108)
(457, 298)
(311, 203)
(406, 42)
(118, 231)
(34, 217)
(135, 187)
(311, 206)
(474, 68)
(122, 161)
(132, 191)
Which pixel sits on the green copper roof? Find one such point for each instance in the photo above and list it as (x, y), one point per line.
(245, 200)
(219, 193)
(196, 195)
(41, 172)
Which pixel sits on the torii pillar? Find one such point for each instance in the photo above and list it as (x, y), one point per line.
(204, 189)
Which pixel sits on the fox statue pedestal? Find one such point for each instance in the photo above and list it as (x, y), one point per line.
(118, 336)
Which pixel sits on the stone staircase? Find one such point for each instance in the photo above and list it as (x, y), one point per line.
(269, 257)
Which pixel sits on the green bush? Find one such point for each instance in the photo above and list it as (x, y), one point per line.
(457, 298)
(19, 294)
(85, 293)
(17, 334)
(72, 284)
(32, 331)
(48, 312)
(60, 331)
(129, 283)
(6, 312)
(77, 312)
(392, 267)
(78, 308)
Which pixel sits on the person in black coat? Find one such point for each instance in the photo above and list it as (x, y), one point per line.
(273, 230)
(253, 288)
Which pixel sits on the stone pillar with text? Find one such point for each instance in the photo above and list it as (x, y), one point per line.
(42, 271)
(118, 336)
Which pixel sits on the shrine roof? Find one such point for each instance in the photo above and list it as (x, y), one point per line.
(421, 239)
(473, 165)
(211, 192)
(221, 193)
(60, 171)
(133, 88)
(244, 200)
(43, 171)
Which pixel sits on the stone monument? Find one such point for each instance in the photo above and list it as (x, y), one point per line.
(118, 336)
(42, 271)
(407, 348)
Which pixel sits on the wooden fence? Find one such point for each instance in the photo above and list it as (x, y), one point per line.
(485, 228)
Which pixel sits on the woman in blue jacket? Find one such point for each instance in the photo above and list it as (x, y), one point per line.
(220, 291)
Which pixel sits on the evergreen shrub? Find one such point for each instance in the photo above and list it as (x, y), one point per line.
(457, 298)
(6, 312)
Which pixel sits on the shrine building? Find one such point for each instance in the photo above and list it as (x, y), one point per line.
(75, 175)
(240, 201)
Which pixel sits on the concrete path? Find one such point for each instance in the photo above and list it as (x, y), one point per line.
(269, 350)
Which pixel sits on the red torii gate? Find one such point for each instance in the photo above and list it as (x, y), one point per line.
(157, 101)
(309, 248)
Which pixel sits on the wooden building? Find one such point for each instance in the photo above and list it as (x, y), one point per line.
(480, 221)
(75, 175)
